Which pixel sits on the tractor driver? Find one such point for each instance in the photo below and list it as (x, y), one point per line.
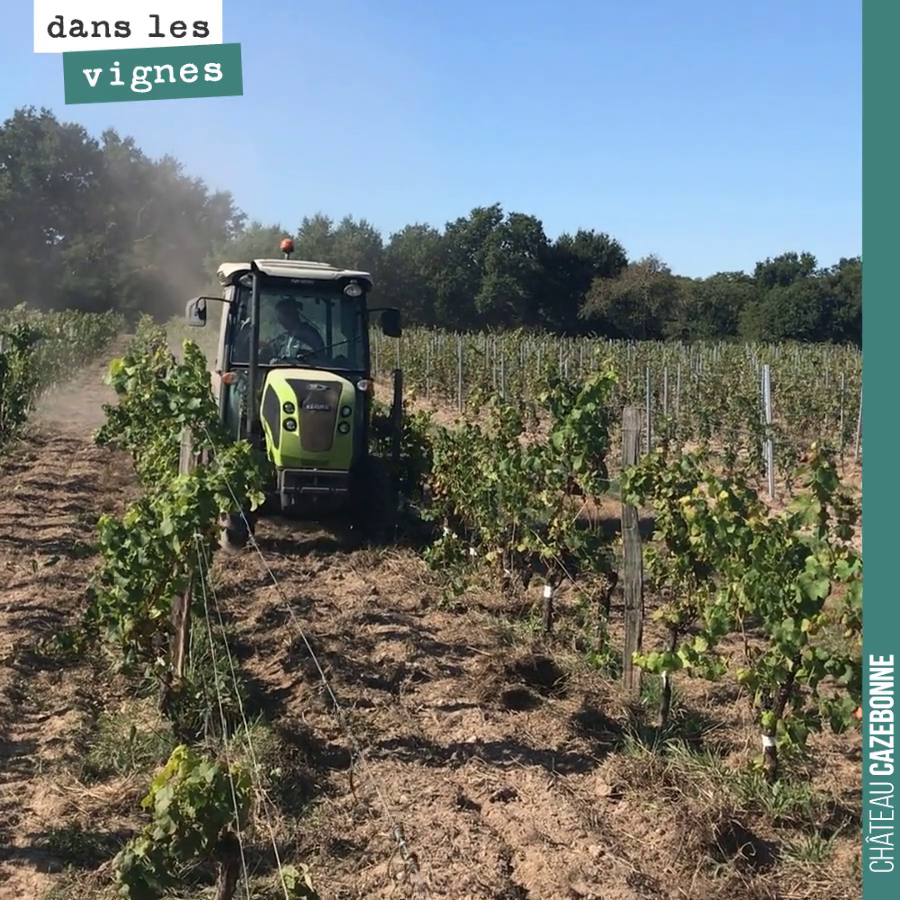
(299, 338)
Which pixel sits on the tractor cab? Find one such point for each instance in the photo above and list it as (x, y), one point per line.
(293, 376)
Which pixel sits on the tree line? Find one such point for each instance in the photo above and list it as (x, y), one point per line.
(94, 224)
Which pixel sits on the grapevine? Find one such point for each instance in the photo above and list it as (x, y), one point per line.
(733, 567)
(512, 500)
(18, 379)
(802, 580)
(149, 555)
(197, 805)
(693, 521)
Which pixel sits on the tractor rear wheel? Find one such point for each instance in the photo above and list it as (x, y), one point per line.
(373, 501)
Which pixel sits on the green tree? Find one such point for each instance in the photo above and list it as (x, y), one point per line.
(315, 239)
(410, 268)
(784, 270)
(845, 280)
(513, 259)
(710, 308)
(254, 241)
(797, 301)
(52, 210)
(638, 303)
(573, 262)
(462, 266)
(163, 225)
(359, 245)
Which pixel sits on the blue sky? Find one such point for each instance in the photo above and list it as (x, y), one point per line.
(711, 132)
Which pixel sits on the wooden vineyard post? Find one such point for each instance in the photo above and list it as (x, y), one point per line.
(228, 854)
(634, 561)
(181, 604)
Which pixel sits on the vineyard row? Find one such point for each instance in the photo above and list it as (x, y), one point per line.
(688, 392)
(725, 569)
(41, 352)
(502, 503)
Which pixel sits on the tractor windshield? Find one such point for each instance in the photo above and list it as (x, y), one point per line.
(300, 324)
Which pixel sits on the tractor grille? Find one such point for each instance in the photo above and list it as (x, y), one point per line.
(318, 403)
(271, 411)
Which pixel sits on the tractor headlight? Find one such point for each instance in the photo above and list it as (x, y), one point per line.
(290, 424)
(289, 408)
(346, 411)
(344, 427)
(353, 290)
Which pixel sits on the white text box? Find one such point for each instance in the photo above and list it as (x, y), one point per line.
(125, 24)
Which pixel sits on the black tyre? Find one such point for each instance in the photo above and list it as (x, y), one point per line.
(235, 532)
(373, 501)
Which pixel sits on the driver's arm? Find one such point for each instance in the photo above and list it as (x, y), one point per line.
(271, 349)
(310, 335)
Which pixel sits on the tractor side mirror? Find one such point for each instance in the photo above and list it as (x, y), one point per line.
(196, 312)
(390, 323)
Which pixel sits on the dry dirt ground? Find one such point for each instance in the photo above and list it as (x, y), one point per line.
(514, 770)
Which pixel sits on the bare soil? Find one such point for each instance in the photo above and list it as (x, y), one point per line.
(52, 488)
(511, 768)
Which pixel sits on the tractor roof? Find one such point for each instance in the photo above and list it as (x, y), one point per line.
(229, 273)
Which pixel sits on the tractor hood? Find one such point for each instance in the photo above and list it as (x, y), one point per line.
(309, 418)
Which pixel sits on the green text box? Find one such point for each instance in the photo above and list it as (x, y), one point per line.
(159, 73)
(881, 322)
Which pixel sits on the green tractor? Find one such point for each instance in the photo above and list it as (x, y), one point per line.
(293, 376)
